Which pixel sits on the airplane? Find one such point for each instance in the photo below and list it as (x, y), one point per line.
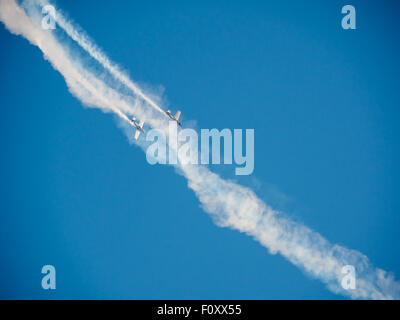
(137, 126)
(175, 118)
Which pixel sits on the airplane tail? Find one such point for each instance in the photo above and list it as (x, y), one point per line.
(178, 114)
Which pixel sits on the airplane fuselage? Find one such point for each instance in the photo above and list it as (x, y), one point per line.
(134, 124)
(170, 116)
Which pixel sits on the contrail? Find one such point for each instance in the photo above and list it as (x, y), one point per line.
(229, 204)
(84, 41)
(81, 83)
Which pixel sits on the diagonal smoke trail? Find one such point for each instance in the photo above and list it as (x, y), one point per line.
(84, 41)
(81, 82)
(230, 204)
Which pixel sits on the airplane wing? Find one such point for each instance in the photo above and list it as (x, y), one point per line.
(137, 134)
(141, 123)
(178, 114)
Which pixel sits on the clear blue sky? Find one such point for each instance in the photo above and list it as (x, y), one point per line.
(324, 103)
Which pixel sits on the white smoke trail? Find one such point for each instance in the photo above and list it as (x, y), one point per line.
(81, 83)
(84, 41)
(230, 204)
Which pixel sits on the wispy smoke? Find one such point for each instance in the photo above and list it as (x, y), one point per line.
(230, 204)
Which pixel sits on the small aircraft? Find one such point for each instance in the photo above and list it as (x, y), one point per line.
(137, 126)
(175, 118)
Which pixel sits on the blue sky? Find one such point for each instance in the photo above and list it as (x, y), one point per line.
(324, 105)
